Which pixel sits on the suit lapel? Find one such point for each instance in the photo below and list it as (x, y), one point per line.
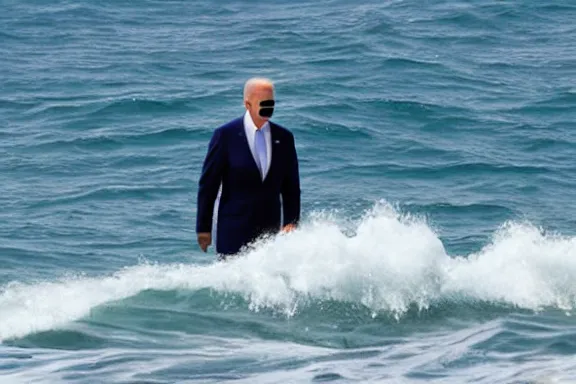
(274, 147)
(274, 142)
(247, 151)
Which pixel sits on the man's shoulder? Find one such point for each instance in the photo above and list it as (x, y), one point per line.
(231, 125)
(282, 130)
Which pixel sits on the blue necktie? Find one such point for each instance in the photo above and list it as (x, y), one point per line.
(260, 146)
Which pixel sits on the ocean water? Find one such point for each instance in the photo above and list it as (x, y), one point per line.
(436, 141)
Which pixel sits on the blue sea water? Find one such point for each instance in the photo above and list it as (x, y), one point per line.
(436, 141)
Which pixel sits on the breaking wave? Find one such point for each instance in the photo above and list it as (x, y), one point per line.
(389, 263)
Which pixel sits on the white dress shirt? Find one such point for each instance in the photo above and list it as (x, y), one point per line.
(250, 129)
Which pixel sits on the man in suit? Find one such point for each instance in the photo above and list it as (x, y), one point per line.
(255, 163)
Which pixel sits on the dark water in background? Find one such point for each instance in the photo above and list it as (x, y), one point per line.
(436, 143)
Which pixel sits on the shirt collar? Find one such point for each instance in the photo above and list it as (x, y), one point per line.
(250, 123)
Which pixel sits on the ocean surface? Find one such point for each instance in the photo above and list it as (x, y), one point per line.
(437, 147)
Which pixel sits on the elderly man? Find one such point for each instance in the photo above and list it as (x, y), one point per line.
(254, 161)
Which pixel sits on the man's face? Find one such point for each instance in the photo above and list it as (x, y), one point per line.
(261, 102)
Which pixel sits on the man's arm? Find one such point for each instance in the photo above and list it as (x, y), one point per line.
(208, 185)
(291, 190)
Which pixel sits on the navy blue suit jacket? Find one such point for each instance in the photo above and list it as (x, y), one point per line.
(249, 206)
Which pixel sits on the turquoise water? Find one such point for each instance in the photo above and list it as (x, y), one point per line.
(436, 142)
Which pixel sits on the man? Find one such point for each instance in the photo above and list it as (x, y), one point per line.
(254, 161)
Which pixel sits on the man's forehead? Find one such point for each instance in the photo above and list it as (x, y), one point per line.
(266, 93)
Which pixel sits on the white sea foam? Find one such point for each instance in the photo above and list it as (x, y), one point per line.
(391, 262)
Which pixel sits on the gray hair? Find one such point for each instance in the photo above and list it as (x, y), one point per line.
(255, 81)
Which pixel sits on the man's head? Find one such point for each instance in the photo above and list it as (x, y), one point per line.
(259, 99)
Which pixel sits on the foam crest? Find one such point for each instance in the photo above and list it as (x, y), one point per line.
(522, 266)
(390, 263)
